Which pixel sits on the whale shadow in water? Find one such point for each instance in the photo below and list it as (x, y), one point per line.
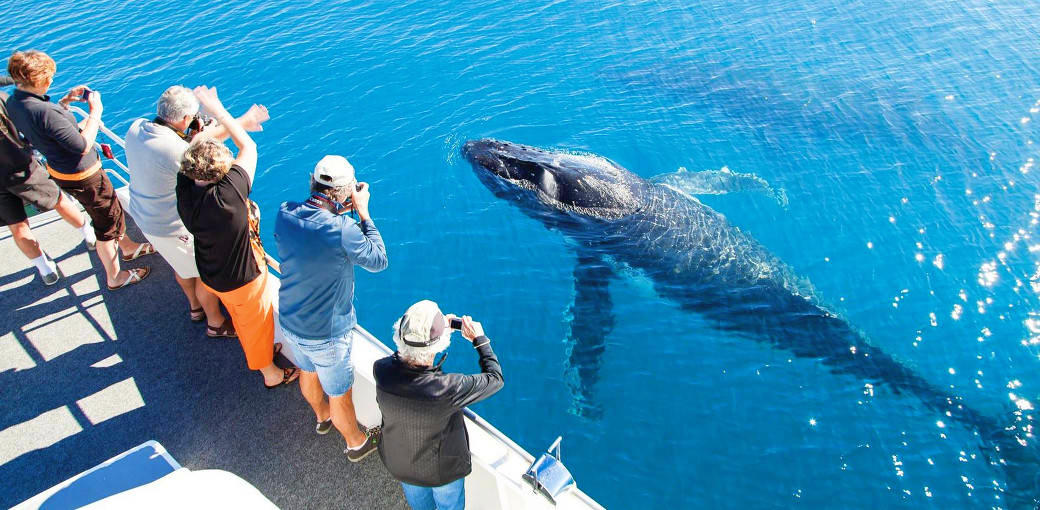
(696, 259)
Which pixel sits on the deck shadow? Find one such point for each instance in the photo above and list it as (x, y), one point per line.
(129, 366)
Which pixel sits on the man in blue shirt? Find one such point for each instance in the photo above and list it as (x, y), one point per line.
(319, 244)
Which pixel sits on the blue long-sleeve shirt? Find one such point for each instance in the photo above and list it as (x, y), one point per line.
(318, 252)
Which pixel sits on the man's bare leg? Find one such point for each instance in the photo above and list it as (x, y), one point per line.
(190, 292)
(67, 210)
(25, 240)
(345, 420)
(310, 387)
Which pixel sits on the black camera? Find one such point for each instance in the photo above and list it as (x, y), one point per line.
(347, 201)
(455, 323)
(198, 123)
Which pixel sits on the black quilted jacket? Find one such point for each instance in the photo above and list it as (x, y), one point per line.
(424, 435)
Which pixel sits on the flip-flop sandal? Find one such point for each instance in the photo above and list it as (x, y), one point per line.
(197, 314)
(288, 375)
(225, 330)
(142, 250)
(136, 275)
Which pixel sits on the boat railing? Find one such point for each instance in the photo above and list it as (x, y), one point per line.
(111, 136)
(473, 417)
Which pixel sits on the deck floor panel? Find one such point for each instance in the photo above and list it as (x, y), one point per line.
(77, 349)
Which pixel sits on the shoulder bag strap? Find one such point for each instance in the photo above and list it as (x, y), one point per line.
(254, 230)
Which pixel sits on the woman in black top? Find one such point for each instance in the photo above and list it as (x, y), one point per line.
(212, 200)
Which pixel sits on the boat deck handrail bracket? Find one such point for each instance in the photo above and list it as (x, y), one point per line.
(548, 475)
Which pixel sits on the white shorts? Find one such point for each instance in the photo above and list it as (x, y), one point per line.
(179, 252)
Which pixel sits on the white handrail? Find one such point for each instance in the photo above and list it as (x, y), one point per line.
(114, 137)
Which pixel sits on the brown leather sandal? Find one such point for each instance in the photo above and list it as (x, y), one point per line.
(225, 330)
(288, 375)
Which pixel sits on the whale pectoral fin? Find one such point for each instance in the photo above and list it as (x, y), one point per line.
(718, 182)
(591, 321)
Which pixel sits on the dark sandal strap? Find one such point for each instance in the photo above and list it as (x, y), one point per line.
(287, 377)
(225, 330)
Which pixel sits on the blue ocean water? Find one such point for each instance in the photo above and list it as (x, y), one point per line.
(903, 135)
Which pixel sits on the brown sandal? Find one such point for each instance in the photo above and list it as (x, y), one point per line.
(225, 330)
(197, 314)
(136, 275)
(288, 375)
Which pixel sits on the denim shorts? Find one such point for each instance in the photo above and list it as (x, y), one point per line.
(329, 358)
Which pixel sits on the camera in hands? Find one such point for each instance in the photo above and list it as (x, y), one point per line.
(198, 123)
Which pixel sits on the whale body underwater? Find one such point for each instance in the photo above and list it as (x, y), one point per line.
(697, 259)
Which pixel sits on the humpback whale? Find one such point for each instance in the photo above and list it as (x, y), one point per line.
(697, 259)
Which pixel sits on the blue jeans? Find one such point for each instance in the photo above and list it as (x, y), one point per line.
(451, 496)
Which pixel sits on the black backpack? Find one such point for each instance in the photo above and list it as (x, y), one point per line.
(16, 156)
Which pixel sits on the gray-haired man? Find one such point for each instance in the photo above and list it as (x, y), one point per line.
(425, 445)
(153, 155)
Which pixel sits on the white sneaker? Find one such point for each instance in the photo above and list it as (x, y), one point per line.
(323, 427)
(88, 236)
(50, 278)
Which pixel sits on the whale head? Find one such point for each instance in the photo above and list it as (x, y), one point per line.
(548, 181)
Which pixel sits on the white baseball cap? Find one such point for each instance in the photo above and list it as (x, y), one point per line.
(334, 171)
(422, 328)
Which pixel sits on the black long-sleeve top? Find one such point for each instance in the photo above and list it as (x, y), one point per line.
(424, 433)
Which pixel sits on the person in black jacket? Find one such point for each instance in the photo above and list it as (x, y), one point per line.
(425, 445)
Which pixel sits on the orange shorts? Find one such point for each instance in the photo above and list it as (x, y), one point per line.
(252, 313)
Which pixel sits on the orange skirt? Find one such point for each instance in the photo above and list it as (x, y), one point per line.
(252, 313)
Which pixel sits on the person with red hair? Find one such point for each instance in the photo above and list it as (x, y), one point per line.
(23, 179)
(71, 159)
